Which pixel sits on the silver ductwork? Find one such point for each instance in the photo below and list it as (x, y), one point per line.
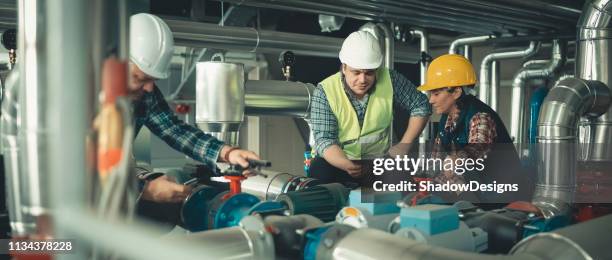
(204, 35)
(485, 67)
(454, 46)
(517, 121)
(424, 48)
(276, 97)
(557, 133)
(582, 241)
(593, 60)
(33, 130)
(220, 99)
(21, 224)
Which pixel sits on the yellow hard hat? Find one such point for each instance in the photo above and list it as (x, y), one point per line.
(449, 70)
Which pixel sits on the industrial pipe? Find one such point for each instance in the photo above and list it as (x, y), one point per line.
(464, 19)
(485, 67)
(557, 134)
(517, 120)
(276, 97)
(205, 35)
(424, 48)
(593, 61)
(34, 104)
(21, 224)
(220, 99)
(454, 46)
(574, 242)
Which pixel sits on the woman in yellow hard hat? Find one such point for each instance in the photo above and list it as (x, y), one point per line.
(472, 135)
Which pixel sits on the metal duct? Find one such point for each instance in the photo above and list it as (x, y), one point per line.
(447, 15)
(21, 224)
(235, 243)
(33, 100)
(584, 241)
(485, 67)
(276, 97)
(204, 35)
(424, 48)
(593, 60)
(220, 99)
(495, 83)
(574, 242)
(557, 133)
(517, 121)
(454, 47)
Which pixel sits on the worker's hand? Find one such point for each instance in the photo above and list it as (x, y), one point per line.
(352, 169)
(399, 149)
(240, 157)
(164, 190)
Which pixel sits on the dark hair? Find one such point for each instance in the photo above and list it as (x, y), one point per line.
(461, 100)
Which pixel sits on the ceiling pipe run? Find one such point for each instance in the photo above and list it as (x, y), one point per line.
(485, 68)
(203, 35)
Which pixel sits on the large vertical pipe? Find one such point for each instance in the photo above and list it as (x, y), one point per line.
(68, 115)
(21, 224)
(485, 67)
(424, 48)
(557, 60)
(33, 133)
(495, 82)
(593, 60)
(557, 134)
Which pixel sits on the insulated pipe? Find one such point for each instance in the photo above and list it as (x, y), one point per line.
(21, 224)
(479, 19)
(573, 242)
(389, 42)
(454, 47)
(424, 48)
(593, 61)
(204, 35)
(557, 134)
(495, 82)
(220, 99)
(517, 120)
(277, 97)
(485, 67)
(34, 102)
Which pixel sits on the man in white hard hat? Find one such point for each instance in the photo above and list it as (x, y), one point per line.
(352, 115)
(151, 49)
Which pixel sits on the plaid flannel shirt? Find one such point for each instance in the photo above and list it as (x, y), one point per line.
(324, 122)
(481, 136)
(152, 111)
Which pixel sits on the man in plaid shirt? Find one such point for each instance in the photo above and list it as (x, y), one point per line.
(151, 49)
(471, 129)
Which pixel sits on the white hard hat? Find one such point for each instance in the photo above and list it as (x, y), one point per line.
(151, 45)
(361, 50)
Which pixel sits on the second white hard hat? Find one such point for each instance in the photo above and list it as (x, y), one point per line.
(361, 50)
(151, 45)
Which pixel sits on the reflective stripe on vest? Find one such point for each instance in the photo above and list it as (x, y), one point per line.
(374, 138)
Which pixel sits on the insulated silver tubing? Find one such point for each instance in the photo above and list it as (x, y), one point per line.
(454, 47)
(557, 134)
(195, 34)
(593, 63)
(220, 98)
(278, 98)
(485, 67)
(557, 60)
(573, 242)
(21, 224)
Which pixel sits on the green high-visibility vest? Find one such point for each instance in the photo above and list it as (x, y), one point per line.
(373, 139)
